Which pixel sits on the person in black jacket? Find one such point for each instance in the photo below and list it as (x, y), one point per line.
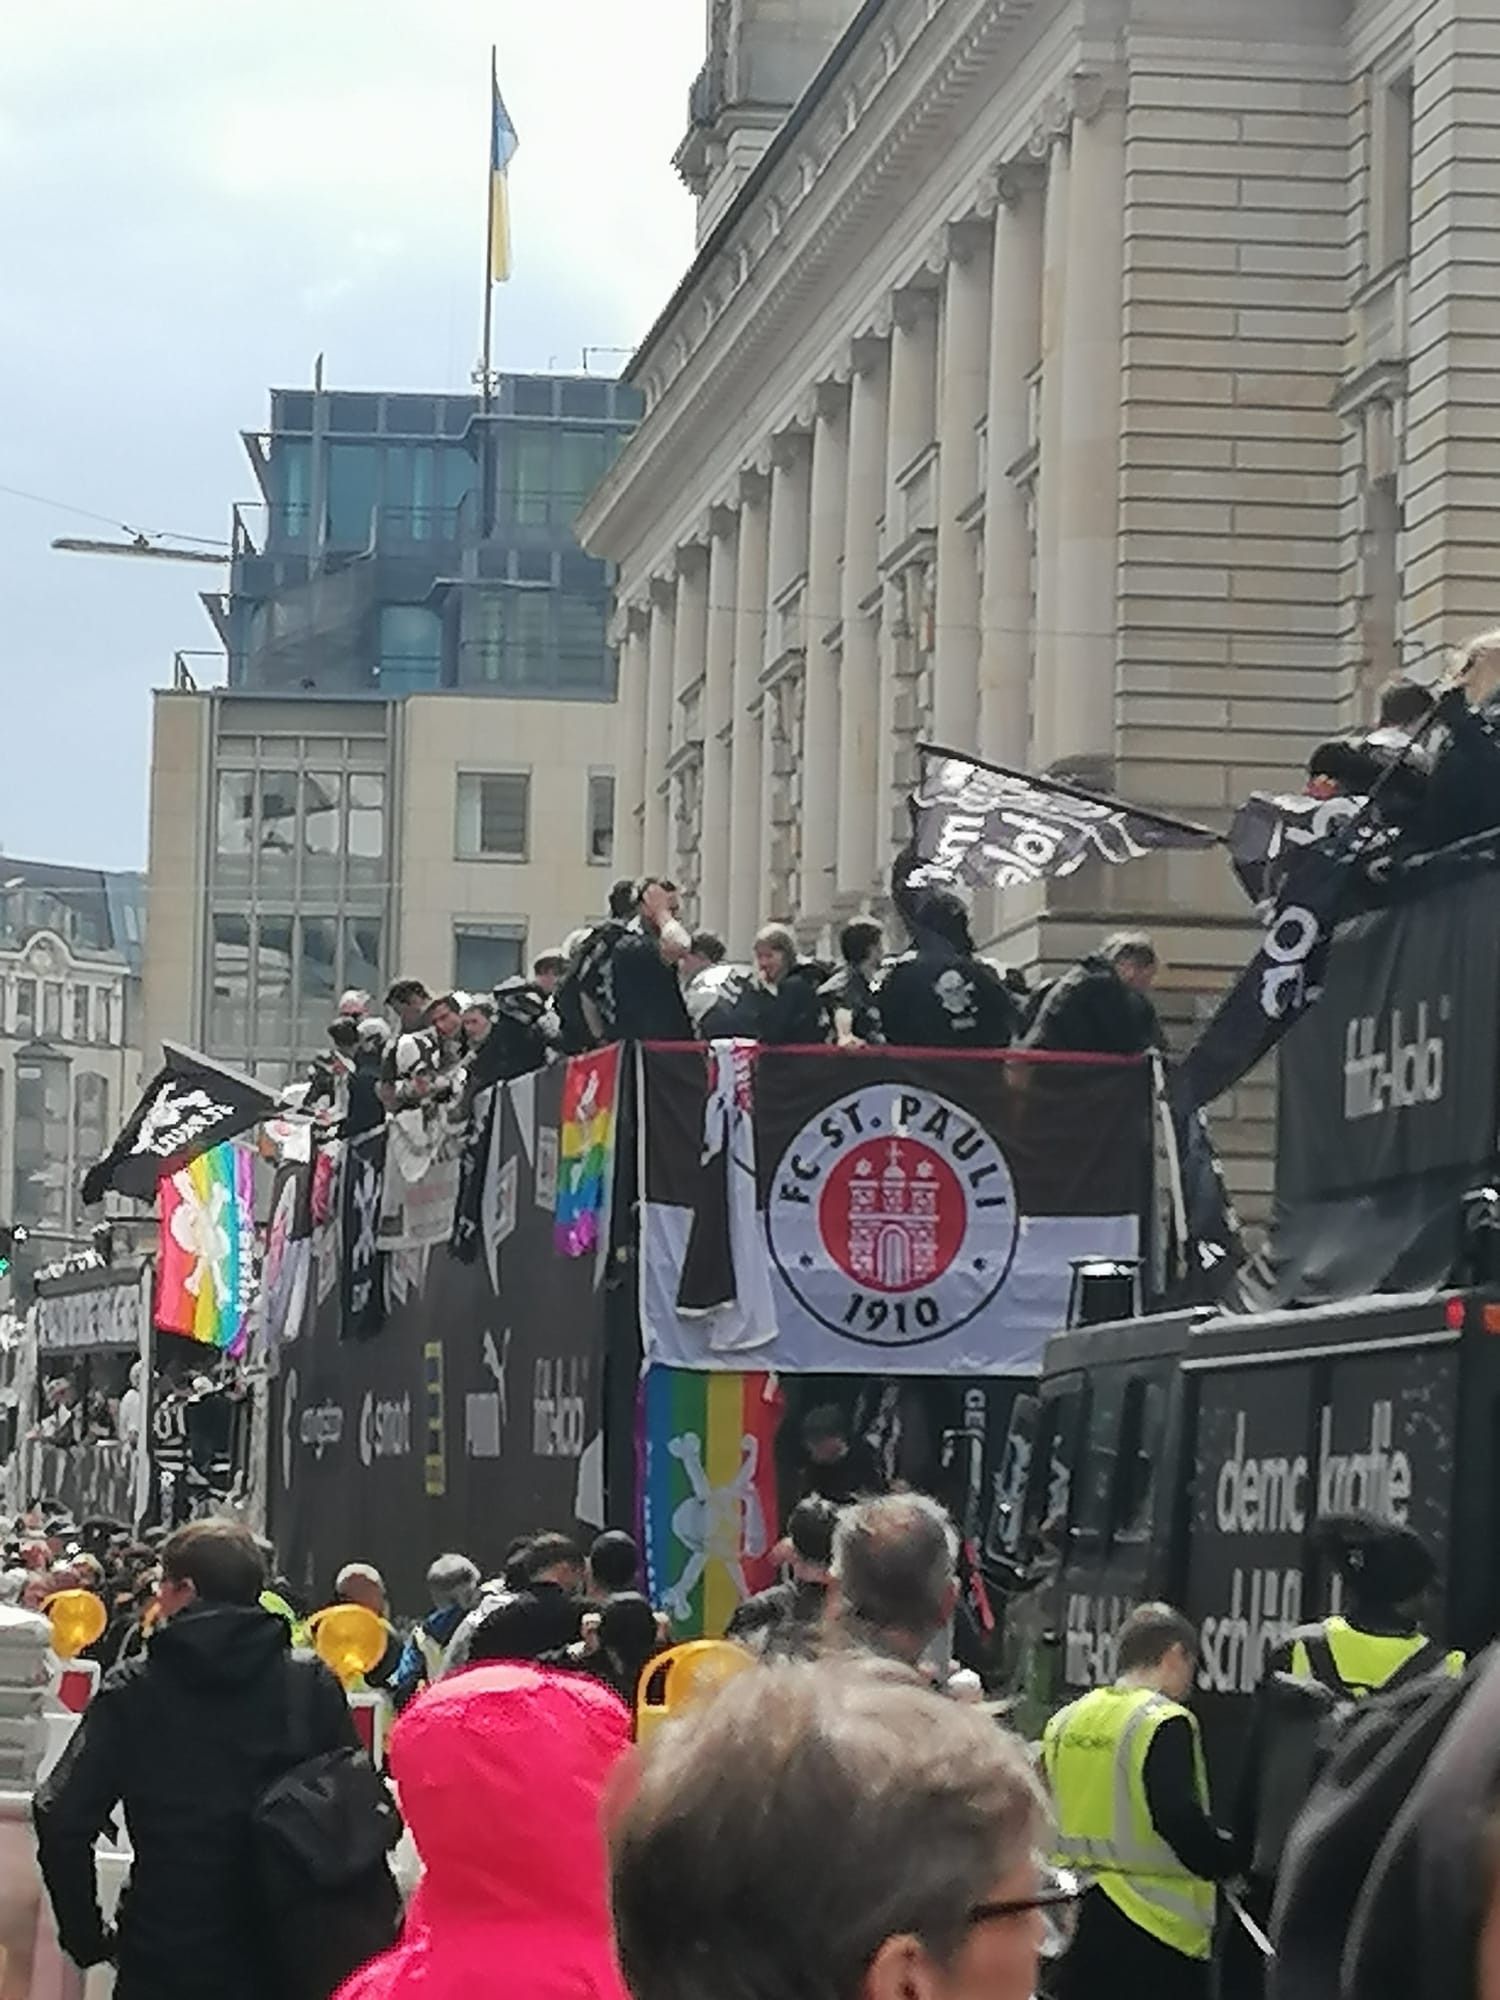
(1103, 1006)
(849, 1009)
(788, 1617)
(186, 1737)
(782, 1001)
(941, 996)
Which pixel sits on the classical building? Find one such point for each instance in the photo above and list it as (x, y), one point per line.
(70, 1043)
(1106, 385)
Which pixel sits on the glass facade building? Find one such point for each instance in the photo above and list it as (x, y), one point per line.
(404, 544)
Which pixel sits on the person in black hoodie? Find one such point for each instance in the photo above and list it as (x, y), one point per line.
(186, 1737)
(783, 1001)
(849, 1009)
(941, 996)
(1103, 1006)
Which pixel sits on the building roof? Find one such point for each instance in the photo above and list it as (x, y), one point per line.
(96, 911)
(764, 168)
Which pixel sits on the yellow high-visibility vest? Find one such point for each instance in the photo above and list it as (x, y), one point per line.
(271, 1600)
(1366, 1660)
(1094, 1753)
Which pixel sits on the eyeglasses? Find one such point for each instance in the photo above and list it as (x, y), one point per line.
(1057, 1896)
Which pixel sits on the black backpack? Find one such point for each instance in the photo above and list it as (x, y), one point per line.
(1306, 1721)
(321, 1833)
(1379, 1754)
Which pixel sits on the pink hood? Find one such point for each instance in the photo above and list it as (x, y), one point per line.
(501, 1773)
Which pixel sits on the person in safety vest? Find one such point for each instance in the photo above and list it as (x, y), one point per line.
(1130, 1791)
(1375, 1644)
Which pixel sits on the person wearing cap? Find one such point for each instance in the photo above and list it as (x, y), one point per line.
(1385, 1569)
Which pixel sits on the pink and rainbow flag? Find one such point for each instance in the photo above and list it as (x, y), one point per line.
(586, 1151)
(205, 1268)
(706, 1451)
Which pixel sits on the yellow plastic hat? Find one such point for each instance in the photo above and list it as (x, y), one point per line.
(349, 1639)
(78, 1619)
(674, 1680)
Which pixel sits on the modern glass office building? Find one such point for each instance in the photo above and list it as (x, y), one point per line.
(409, 543)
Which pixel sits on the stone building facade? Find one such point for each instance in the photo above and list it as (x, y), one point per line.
(1105, 385)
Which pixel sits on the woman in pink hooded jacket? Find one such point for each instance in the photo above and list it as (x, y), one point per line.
(501, 1773)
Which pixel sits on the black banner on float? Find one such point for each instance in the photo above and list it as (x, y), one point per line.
(473, 1415)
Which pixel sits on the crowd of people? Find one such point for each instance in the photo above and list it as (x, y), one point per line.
(641, 975)
(945, 1859)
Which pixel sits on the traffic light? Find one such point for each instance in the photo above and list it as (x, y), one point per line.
(11, 1239)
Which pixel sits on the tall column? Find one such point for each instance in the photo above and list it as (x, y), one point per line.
(859, 664)
(1089, 501)
(744, 742)
(790, 470)
(1015, 349)
(821, 613)
(689, 639)
(718, 713)
(1049, 602)
(965, 378)
(630, 783)
(690, 632)
(910, 424)
(657, 856)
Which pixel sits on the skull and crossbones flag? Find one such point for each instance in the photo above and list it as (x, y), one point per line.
(992, 828)
(362, 1269)
(190, 1106)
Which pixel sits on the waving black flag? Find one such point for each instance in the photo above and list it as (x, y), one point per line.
(189, 1106)
(999, 829)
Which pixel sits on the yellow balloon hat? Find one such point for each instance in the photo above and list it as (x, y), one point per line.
(682, 1675)
(349, 1639)
(78, 1619)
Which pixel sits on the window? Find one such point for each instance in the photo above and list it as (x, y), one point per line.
(80, 1014)
(351, 494)
(353, 413)
(52, 1007)
(526, 643)
(235, 822)
(585, 399)
(362, 955)
(25, 1006)
(277, 839)
(322, 813)
(319, 977)
(493, 813)
(1391, 174)
(533, 396)
(273, 983)
(1141, 1426)
(526, 475)
(581, 623)
(416, 415)
(229, 1013)
(584, 459)
(601, 843)
(103, 1009)
(91, 1133)
(291, 482)
(411, 649)
(366, 837)
(42, 1179)
(484, 954)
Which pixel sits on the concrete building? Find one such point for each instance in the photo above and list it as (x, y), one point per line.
(408, 542)
(411, 770)
(1102, 384)
(303, 845)
(70, 1042)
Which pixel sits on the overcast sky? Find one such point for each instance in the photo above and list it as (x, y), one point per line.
(195, 201)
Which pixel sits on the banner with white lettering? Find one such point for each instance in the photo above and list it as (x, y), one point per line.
(191, 1105)
(912, 1215)
(994, 828)
(474, 1416)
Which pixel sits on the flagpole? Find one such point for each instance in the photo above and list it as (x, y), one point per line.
(486, 363)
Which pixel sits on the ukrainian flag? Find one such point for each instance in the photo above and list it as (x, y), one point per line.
(502, 151)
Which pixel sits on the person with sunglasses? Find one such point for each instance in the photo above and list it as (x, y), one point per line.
(834, 1827)
(1130, 1788)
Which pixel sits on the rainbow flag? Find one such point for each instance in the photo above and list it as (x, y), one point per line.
(706, 1449)
(205, 1267)
(586, 1152)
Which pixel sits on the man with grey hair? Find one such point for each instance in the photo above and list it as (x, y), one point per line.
(453, 1586)
(1103, 1006)
(362, 1584)
(895, 1578)
(833, 1828)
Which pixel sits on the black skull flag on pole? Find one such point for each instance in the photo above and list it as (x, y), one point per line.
(994, 828)
(191, 1105)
